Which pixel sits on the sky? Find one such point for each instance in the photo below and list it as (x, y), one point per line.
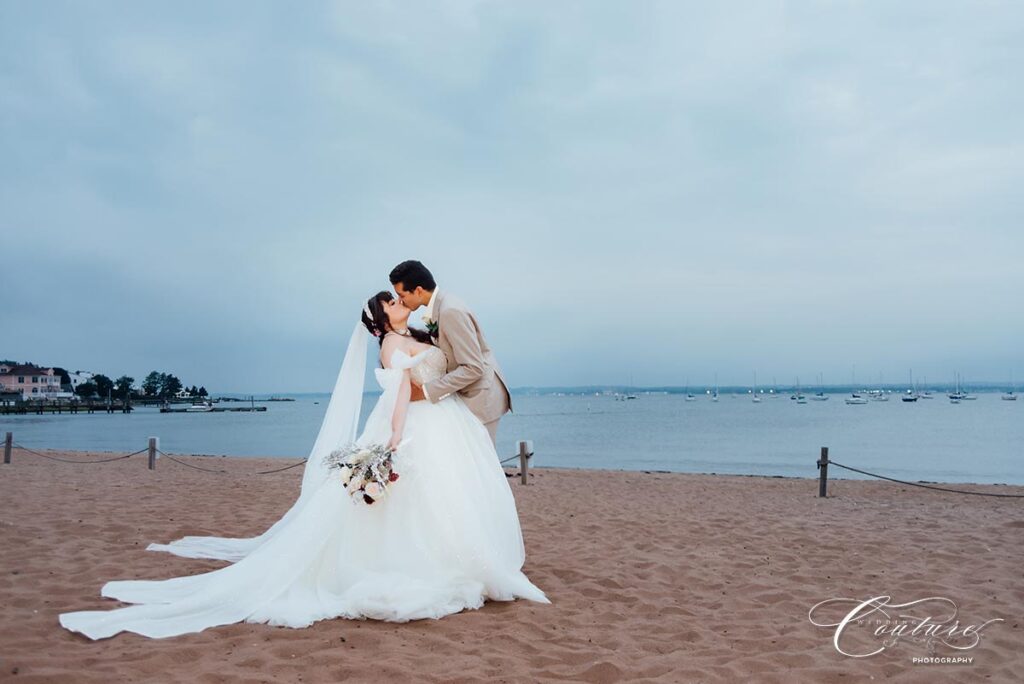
(630, 192)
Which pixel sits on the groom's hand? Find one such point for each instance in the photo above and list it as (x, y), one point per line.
(417, 394)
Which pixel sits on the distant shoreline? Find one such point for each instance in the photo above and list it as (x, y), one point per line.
(782, 390)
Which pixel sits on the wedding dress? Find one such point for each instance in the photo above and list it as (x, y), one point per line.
(445, 539)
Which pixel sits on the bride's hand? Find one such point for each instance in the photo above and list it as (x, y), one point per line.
(396, 439)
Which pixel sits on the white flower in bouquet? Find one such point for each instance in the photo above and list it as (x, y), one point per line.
(366, 471)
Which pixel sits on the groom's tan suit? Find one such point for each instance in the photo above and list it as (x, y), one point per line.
(473, 372)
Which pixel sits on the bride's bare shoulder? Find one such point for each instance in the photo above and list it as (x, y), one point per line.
(388, 347)
(406, 345)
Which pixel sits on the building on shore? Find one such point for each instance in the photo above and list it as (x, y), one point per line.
(31, 381)
(78, 377)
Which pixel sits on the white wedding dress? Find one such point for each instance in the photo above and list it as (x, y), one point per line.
(446, 538)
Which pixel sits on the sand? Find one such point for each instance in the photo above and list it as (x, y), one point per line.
(654, 577)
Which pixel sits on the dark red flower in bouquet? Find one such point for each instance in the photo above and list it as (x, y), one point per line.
(367, 499)
(393, 476)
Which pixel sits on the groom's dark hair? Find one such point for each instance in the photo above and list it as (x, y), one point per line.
(413, 274)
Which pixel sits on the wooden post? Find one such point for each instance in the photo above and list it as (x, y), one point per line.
(823, 473)
(525, 452)
(7, 447)
(153, 442)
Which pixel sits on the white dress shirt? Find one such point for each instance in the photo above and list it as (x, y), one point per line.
(428, 315)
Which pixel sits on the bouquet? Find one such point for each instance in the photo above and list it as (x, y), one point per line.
(367, 472)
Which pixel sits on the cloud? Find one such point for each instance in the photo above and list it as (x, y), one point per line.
(656, 190)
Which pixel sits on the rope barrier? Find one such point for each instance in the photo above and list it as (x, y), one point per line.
(918, 484)
(68, 460)
(278, 470)
(189, 465)
(180, 462)
(142, 451)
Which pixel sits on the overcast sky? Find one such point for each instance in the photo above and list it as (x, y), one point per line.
(655, 191)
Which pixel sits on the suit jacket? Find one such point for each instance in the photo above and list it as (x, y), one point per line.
(473, 371)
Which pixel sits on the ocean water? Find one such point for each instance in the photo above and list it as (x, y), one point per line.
(933, 440)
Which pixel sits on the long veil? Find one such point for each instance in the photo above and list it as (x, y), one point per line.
(338, 428)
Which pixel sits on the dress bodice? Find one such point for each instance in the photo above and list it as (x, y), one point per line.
(430, 368)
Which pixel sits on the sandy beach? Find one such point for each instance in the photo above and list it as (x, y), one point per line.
(654, 577)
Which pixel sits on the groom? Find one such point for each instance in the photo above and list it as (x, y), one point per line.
(473, 372)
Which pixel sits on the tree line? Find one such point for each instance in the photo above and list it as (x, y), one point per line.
(156, 385)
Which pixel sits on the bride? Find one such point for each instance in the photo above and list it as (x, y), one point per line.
(445, 539)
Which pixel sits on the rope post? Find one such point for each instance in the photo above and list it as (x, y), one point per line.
(525, 452)
(154, 443)
(8, 442)
(823, 473)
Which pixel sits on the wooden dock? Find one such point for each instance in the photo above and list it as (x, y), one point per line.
(42, 407)
(214, 409)
(60, 406)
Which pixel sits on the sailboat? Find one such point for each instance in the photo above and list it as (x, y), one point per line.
(689, 394)
(820, 394)
(756, 399)
(956, 395)
(1011, 395)
(855, 399)
(960, 394)
(799, 396)
(911, 395)
(631, 394)
(714, 397)
(878, 394)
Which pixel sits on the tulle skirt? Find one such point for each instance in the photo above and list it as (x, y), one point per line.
(446, 538)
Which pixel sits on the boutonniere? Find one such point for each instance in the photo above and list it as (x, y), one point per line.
(431, 326)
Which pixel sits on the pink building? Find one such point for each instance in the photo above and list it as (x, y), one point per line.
(32, 381)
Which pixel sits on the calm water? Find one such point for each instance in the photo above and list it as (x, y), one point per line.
(975, 441)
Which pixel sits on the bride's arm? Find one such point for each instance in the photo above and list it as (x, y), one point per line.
(404, 393)
(401, 406)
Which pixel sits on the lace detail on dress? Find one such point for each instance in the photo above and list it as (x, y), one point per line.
(432, 367)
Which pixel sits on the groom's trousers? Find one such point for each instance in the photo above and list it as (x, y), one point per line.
(492, 428)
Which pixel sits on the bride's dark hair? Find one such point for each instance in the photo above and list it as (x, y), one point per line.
(377, 322)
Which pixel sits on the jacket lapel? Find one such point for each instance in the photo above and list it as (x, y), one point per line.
(438, 303)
